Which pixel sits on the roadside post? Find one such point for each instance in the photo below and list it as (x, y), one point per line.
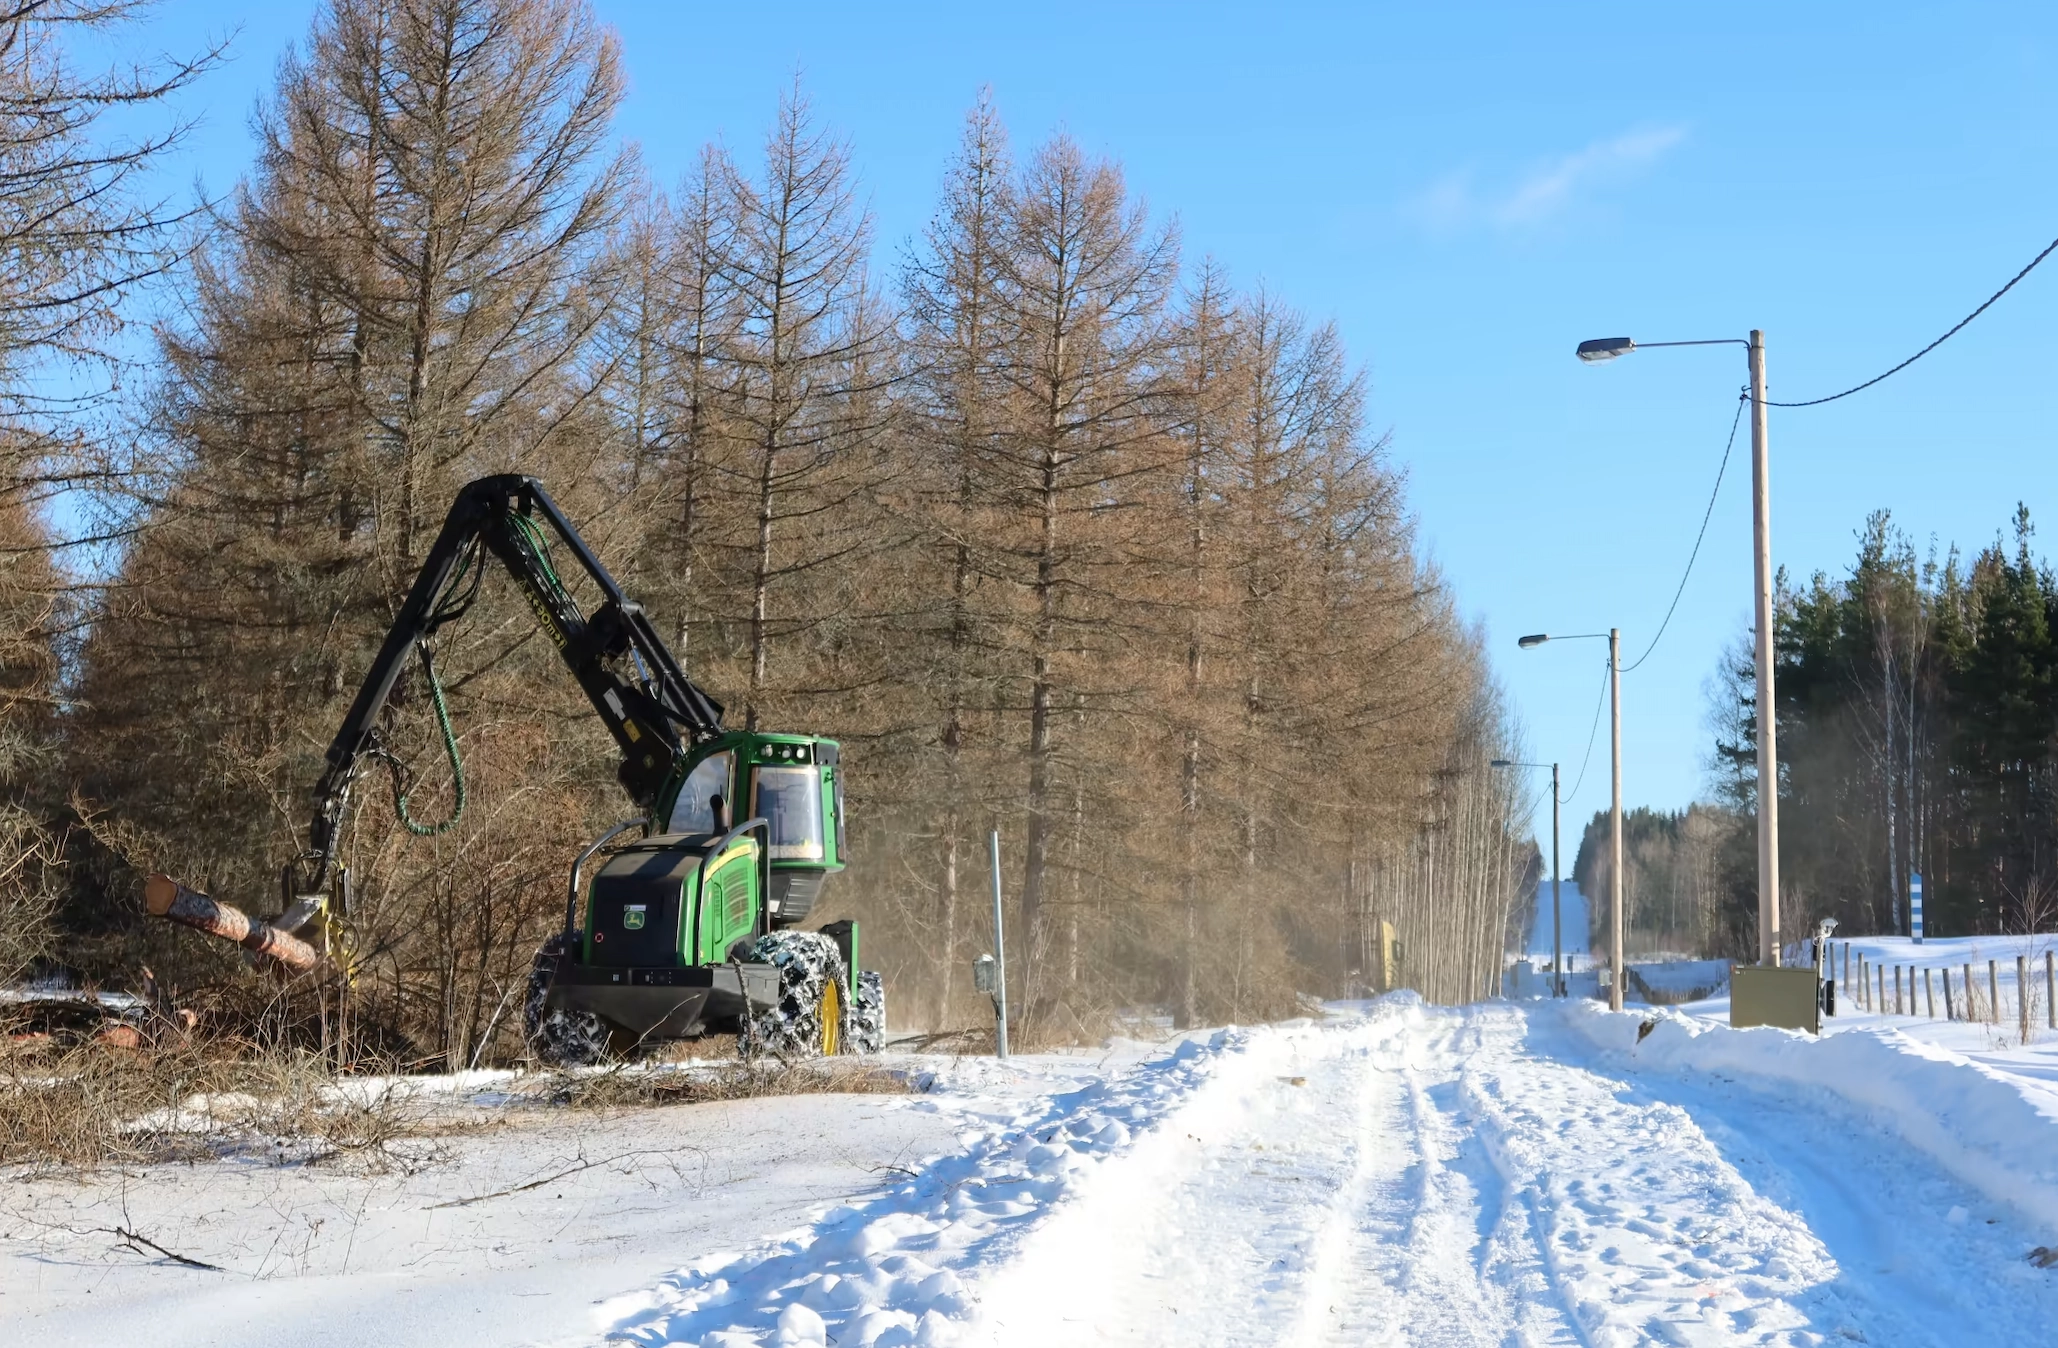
(1915, 906)
(2022, 994)
(1000, 964)
(1825, 965)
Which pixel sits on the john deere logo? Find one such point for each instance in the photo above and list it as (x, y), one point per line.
(632, 917)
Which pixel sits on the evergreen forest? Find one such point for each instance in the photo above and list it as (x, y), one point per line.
(1918, 733)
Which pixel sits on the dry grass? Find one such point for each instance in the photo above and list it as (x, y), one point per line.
(632, 1086)
(154, 1091)
(95, 1103)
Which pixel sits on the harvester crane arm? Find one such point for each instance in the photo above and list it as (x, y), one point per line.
(654, 712)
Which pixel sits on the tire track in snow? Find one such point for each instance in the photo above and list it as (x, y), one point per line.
(1646, 1233)
(1476, 1193)
(1347, 1212)
(1211, 1225)
(1412, 1263)
(1336, 1239)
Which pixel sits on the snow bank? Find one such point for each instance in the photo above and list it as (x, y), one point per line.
(1995, 1132)
(886, 1272)
(911, 1267)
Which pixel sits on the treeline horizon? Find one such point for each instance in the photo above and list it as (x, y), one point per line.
(1918, 733)
(1057, 532)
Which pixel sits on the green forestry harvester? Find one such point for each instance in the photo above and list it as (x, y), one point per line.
(681, 921)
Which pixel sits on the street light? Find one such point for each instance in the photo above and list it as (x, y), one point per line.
(1557, 913)
(1614, 636)
(1605, 348)
(1608, 348)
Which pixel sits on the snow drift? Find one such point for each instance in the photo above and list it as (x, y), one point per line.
(1995, 1132)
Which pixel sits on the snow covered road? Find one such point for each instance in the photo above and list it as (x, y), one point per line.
(1408, 1175)
(1438, 1180)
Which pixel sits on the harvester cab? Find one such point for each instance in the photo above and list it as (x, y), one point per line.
(690, 928)
(793, 783)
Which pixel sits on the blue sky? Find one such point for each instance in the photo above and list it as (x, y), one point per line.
(1468, 190)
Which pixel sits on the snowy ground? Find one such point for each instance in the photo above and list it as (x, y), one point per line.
(1512, 1173)
(429, 1250)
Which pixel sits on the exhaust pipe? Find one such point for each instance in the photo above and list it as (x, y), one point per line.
(167, 898)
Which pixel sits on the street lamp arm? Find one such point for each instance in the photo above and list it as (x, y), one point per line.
(1539, 638)
(1598, 349)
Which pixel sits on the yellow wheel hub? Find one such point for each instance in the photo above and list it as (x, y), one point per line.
(830, 1016)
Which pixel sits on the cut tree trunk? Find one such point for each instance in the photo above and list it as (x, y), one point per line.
(167, 898)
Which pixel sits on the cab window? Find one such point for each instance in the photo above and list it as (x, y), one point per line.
(693, 811)
(790, 799)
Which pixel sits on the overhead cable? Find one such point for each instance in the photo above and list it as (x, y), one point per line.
(1594, 730)
(1859, 388)
(1706, 515)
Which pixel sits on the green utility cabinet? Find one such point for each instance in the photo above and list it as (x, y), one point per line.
(1788, 998)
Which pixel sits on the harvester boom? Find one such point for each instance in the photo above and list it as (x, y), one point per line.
(654, 712)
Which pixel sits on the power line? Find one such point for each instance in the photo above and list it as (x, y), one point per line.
(1528, 812)
(1706, 515)
(1859, 388)
(1599, 702)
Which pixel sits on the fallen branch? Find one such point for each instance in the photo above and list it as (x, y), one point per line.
(922, 1043)
(141, 1244)
(547, 1179)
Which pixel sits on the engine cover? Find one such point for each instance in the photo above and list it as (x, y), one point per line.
(636, 901)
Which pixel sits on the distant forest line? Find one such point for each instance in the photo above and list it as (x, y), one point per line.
(1917, 697)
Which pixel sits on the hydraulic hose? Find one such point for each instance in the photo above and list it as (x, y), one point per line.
(450, 750)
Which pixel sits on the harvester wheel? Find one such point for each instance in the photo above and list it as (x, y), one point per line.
(559, 1037)
(868, 1013)
(812, 1016)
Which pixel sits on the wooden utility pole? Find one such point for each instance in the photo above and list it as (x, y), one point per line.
(1619, 974)
(1557, 912)
(1768, 736)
